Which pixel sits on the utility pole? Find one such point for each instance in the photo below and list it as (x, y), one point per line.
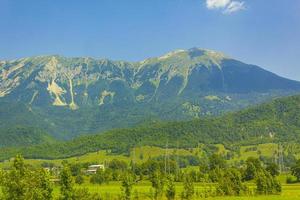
(280, 158)
(166, 157)
(133, 161)
(276, 154)
(177, 160)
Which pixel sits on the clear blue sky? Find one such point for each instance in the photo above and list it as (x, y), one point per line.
(262, 32)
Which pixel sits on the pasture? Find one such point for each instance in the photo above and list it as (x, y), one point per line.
(141, 154)
(142, 190)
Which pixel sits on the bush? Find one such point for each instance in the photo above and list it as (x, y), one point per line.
(266, 184)
(291, 180)
(100, 177)
(188, 188)
(230, 183)
(83, 194)
(79, 179)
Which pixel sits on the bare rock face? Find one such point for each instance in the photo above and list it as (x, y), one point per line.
(72, 96)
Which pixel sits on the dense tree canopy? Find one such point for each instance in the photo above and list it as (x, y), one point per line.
(278, 120)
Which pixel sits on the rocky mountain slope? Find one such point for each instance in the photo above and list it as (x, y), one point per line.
(71, 96)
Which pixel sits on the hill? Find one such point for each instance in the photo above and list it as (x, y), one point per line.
(276, 121)
(71, 96)
(18, 136)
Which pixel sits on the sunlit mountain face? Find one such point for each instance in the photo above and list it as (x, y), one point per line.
(72, 96)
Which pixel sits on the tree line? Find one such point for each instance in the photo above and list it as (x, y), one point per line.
(25, 182)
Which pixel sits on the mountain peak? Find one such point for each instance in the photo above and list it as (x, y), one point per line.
(194, 81)
(188, 58)
(191, 54)
(200, 52)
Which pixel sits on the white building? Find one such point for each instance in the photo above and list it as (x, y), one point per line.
(92, 169)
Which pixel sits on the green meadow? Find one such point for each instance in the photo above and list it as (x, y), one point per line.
(141, 154)
(112, 190)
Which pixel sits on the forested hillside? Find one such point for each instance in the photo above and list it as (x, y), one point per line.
(278, 120)
(23, 136)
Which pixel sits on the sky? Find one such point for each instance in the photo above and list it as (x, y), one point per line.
(261, 32)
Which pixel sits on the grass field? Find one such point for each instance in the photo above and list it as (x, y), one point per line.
(141, 154)
(113, 191)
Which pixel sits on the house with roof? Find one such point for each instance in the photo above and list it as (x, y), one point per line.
(92, 169)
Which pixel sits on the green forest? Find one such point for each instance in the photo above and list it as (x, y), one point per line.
(276, 121)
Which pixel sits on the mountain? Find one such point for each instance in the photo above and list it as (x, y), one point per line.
(275, 121)
(71, 96)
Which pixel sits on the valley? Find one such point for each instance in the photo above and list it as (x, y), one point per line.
(180, 126)
(149, 100)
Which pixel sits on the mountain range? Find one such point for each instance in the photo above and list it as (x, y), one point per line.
(67, 97)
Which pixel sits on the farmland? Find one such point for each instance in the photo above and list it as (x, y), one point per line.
(113, 191)
(142, 189)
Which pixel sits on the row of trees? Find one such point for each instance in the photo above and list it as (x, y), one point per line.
(228, 180)
(24, 182)
(161, 184)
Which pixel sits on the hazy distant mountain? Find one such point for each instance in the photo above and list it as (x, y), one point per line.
(71, 96)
